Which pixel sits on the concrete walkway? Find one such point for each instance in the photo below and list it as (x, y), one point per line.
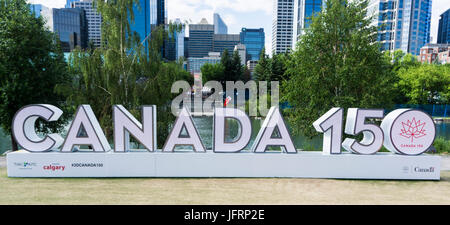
(445, 163)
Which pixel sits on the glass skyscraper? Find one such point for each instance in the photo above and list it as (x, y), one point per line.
(175, 44)
(71, 27)
(219, 26)
(150, 13)
(36, 9)
(69, 3)
(307, 9)
(201, 39)
(402, 24)
(444, 28)
(94, 20)
(254, 40)
(194, 65)
(225, 41)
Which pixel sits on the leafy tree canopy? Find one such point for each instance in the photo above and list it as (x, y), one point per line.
(425, 84)
(336, 63)
(126, 70)
(31, 65)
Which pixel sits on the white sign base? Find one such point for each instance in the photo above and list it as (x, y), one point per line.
(190, 164)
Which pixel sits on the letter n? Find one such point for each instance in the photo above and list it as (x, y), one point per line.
(125, 124)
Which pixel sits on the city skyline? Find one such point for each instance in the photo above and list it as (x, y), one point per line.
(238, 13)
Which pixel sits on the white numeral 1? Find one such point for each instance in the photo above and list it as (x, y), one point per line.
(373, 135)
(331, 125)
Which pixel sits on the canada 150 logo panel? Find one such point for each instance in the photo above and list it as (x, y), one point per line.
(413, 133)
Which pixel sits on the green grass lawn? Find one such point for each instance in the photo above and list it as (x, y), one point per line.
(220, 191)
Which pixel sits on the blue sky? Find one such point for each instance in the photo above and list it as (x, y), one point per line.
(240, 13)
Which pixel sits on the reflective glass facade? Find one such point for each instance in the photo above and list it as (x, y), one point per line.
(94, 21)
(219, 26)
(402, 24)
(444, 28)
(225, 41)
(175, 44)
(36, 9)
(195, 64)
(201, 39)
(254, 40)
(71, 27)
(69, 3)
(141, 24)
(306, 10)
(149, 13)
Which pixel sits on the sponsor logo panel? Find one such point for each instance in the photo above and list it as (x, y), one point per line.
(25, 165)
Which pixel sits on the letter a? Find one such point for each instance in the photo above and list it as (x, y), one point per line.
(264, 138)
(85, 118)
(175, 138)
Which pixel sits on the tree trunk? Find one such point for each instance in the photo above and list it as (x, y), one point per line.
(14, 144)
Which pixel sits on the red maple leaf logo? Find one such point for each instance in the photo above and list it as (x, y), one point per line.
(413, 129)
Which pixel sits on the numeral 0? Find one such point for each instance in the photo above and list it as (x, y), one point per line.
(403, 131)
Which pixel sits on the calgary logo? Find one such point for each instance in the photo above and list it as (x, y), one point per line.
(413, 129)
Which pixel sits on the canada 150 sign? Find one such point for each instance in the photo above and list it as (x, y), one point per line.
(403, 131)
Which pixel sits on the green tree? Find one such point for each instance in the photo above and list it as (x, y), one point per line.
(336, 63)
(31, 65)
(425, 84)
(227, 63)
(246, 76)
(237, 69)
(123, 71)
(400, 60)
(263, 69)
(278, 67)
(213, 72)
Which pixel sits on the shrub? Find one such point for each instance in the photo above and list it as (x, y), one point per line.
(442, 145)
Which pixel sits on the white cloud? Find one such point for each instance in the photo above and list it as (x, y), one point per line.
(194, 9)
(49, 3)
(231, 19)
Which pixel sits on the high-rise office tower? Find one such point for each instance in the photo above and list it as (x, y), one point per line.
(186, 47)
(306, 9)
(201, 39)
(71, 26)
(242, 51)
(219, 26)
(175, 43)
(151, 13)
(402, 24)
(69, 3)
(37, 9)
(282, 26)
(195, 64)
(254, 40)
(161, 15)
(94, 20)
(225, 41)
(444, 28)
